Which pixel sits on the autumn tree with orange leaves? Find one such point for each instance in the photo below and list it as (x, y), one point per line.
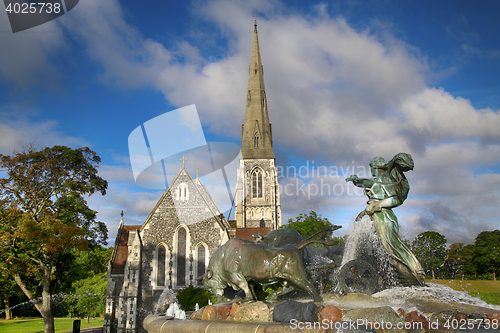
(44, 214)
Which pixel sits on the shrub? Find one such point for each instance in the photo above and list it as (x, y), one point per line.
(188, 297)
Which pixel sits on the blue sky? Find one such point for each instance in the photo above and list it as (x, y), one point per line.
(346, 81)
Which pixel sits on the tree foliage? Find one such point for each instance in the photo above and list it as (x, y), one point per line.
(486, 255)
(44, 214)
(307, 224)
(430, 249)
(453, 264)
(88, 300)
(468, 267)
(480, 260)
(8, 288)
(82, 264)
(93, 261)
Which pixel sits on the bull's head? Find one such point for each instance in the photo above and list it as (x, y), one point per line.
(213, 283)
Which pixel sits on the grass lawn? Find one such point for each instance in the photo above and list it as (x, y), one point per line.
(34, 325)
(488, 291)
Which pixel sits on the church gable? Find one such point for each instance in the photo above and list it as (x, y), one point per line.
(185, 202)
(180, 234)
(192, 201)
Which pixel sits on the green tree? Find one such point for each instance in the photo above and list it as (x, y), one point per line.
(453, 264)
(430, 249)
(44, 214)
(93, 261)
(468, 267)
(486, 256)
(308, 224)
(81, 264)
(89, 297)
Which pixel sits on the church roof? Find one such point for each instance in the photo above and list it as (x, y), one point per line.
(256, 136)
(248, 233)
(120, 250)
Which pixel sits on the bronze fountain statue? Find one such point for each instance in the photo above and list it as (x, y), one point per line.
(387, 190)
(281, 259)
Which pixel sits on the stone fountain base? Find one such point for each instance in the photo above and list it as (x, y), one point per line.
(401, 310)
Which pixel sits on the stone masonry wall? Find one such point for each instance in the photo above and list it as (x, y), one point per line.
(160, 228)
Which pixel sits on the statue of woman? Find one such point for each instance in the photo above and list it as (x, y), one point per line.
(387, 190)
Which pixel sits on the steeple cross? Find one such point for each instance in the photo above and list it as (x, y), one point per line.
(183, 159)
(197, 172)
(255, 15)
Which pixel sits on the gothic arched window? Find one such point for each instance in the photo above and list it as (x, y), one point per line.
(256, 141)
(201, 261)
(162, 257)
(257, 184)
(181, 257)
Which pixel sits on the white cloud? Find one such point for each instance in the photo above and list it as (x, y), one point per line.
(436, 115)
(136, 205)
(328, 84)
(335, 94)
(17, 131)
(117, 173)
(456, 226)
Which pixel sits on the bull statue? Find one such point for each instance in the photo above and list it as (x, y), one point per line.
(279, 237)
(290, 237)
(238, 262)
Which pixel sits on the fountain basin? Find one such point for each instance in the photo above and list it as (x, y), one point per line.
(159, 324)
(433, 307)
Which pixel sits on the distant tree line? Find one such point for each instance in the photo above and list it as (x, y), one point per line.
(478, 261)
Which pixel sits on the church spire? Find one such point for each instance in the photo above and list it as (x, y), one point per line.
(257, 189)
(256, 136)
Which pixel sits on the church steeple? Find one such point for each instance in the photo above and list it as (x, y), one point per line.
(257, 189)
(256, 135)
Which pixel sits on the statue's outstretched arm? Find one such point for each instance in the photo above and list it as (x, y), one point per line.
(360, 182)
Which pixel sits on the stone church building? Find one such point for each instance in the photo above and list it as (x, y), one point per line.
(174, 244)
